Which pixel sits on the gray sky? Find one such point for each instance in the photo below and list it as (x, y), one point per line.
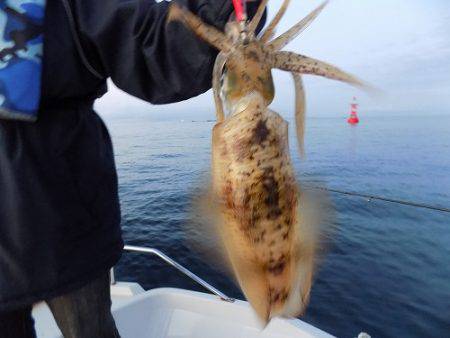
(400, 46)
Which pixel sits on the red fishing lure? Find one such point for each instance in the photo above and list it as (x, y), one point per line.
(239, 8)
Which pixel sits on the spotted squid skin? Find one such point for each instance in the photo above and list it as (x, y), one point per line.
(254, 182)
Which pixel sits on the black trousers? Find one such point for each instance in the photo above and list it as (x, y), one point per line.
(84, 313)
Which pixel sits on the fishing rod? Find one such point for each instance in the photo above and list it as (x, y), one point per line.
(381, 198)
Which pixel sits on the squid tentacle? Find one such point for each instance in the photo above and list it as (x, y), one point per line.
(301, 64)
(281, 41)
(206, 32)
(268, 33)
(217, 73)
(300, 108)
(257, 18)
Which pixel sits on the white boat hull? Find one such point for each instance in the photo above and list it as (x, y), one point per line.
(177, 313)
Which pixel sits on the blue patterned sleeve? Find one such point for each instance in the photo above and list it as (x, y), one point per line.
(21, 48)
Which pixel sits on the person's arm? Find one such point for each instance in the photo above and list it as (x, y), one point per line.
(144, 56)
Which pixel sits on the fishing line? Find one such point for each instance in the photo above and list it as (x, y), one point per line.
(381, 198)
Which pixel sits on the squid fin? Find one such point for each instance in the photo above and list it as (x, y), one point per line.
(313, 228)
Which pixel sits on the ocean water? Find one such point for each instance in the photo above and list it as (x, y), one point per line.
(387, 268)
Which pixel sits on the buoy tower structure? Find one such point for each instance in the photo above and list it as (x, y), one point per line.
(353, 119)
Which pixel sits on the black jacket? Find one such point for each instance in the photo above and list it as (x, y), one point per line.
(59, 209)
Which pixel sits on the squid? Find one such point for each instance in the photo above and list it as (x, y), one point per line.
(268, 242)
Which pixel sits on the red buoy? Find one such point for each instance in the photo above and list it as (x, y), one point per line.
(353, 119)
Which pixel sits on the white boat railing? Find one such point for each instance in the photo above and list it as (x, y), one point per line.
(179, 267)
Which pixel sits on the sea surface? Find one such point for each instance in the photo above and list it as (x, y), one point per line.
(387, 269)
